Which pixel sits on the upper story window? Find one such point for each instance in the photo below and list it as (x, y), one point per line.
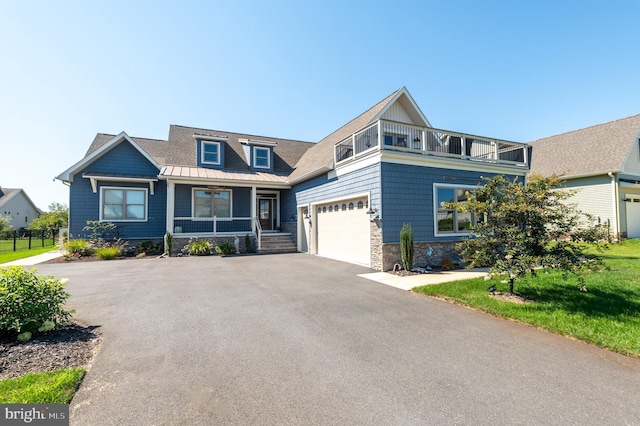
(210, 203)
(261, 157)
(451, 221)
(123, 204)
(210, 153)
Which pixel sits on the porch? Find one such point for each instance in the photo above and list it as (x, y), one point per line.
(391, 135)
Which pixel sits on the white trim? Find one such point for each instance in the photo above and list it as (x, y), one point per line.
(193, 201)
(124, 189)
(410, 159)
(254, 157)
(437, 185)
(210, 138)
(202, 152)
(403, 91)
(95, 179)
(66, 176)
(257, 142)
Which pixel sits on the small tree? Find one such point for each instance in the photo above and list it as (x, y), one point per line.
(406, 246)
(5, 222)
(57, 217)
(522, 227)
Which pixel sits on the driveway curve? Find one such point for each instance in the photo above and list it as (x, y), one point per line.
(298, 339)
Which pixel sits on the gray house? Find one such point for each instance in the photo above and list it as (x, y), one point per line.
(344, 197)
(602, 162)
(18, 207)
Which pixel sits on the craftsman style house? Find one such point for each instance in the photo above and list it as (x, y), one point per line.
(602, 163)
(345, 197)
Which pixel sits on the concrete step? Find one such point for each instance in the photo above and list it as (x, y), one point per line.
(277, 243)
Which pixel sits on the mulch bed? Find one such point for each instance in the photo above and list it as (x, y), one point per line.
(71, 346)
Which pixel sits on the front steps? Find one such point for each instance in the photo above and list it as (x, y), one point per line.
(277, 243)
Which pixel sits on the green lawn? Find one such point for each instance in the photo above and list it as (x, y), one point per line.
(607, 315)
(23, 244)
(56, 387)
(15, 255)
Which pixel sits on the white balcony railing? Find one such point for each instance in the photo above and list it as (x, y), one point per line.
(389, 135)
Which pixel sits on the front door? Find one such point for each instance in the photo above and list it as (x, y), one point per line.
(267, 213)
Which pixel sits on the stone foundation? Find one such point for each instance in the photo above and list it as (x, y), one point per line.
(375, 235)
(291, 228)
(441, 250)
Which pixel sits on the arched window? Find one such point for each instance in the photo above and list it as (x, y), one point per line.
(330, 209)
(350, 206)
(360, 205)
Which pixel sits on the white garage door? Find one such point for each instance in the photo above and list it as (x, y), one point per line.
(633, 216)
(343, 231)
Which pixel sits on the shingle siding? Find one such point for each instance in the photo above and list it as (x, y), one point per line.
(84, 204)
(407, 197)
(323, 188)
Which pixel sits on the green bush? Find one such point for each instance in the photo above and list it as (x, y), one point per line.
(108, 253)
(30, 302)
(80, 247)
(149, 247)
(198, 247)
(406, 246)
(226, 248)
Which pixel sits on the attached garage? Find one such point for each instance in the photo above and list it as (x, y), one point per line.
(342, 230)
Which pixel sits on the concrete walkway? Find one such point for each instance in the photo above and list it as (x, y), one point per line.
(34, 260)
(407, 283)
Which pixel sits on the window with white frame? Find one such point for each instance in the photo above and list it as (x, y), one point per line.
(123, 204)
(210, 153)
(261, 157)
(212, 202)
(451, 221)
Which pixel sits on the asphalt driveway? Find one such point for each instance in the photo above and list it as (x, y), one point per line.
(298, 339)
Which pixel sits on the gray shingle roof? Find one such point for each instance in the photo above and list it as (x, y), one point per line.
(593, 150)
(156, 148)
(321, 155)
(181, 150)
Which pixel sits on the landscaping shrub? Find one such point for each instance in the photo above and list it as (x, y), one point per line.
(168, 243)
(198, 247)
(108, 253)
(406, 246)
(149, 247)
(225, 248)
(80, 247)
(30, 303)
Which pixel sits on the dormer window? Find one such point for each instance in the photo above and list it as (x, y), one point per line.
(210, 153)
(261, 157)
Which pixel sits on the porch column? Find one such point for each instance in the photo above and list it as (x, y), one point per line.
(254, 196)
(171, 196)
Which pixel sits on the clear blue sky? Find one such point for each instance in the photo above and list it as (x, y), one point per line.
(514, 70)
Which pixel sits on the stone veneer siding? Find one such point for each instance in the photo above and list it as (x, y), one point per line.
(291, 228)
(441, 250)
(375, 235)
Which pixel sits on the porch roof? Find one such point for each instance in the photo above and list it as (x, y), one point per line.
(205, 174)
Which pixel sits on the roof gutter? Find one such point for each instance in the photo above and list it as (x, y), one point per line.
(317, 172)
(616, 205)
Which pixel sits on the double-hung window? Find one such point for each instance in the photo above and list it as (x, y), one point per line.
(210, 153)
(451, 221)
(210, 203)
(123, 204)
(261, 157)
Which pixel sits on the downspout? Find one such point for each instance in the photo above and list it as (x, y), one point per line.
(614, 194)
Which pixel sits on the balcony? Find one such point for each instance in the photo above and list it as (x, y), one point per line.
(426, 141)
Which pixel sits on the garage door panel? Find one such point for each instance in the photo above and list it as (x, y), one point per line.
(343, 233)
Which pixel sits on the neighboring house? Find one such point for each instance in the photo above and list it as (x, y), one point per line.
(16, 204)
(602, 162)
(344, 197)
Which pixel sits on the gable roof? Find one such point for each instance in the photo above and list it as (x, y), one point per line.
(593, 150)
(319, 159)
(102, 144)
(7, 194)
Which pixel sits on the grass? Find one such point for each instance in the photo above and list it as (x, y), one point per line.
(56, 387)
(23, 244)
(15, 255)
(607, 315)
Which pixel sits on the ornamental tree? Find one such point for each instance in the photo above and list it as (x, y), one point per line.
(57, 217)
(521, 228)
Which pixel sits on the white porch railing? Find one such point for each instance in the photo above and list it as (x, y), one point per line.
(258, 227)
(390, 135)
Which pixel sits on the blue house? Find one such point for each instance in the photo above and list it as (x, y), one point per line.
(344, 197)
